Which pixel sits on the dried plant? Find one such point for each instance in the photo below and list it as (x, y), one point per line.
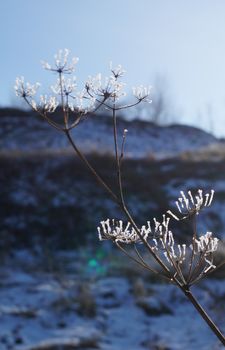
(180, 264)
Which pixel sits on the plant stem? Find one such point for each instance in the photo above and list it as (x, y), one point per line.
(121, 203)
(92, 170)
(119, 177)
(203, 313)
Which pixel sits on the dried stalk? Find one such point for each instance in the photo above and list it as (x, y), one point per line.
(107, 96)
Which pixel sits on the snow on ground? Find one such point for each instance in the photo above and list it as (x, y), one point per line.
(55, 310)
(44, 306)
(95, 135)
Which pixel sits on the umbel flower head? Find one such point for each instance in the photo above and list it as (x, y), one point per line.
(61, 64)
(119, 231)
(46, 104)
(97, 92)
(188, 263)
(63, 92)
(105, 88)
(158, 236)
(189, 204)
(25, 89)
(142, 93)
(67, 86)
(117, 71)
(204, 246)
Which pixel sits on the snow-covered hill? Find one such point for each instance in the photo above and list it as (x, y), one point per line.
(90, 297)
(41, 178)
(30, 133)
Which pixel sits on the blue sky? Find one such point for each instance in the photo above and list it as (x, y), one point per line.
(183, 41)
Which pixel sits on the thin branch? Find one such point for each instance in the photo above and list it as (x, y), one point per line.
(217, 267)
(92, 170)
(65, 116)
(122, 147)
(148, 267)
(193, 247)
(175, 265)
(203, 313)
(102, 103)
(119, 177)
(141, 262)
(128, 106)
(44, 115)
(208, 273)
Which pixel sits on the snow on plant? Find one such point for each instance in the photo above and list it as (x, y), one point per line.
(24, 89)
(180, 263)
(186, 264)
(188, 205)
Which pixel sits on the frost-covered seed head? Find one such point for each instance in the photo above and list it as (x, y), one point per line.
(65, 86)
(188, 205)
(205, 246)
(25, 89)
(107, 88)
(117, 71)
(117, 231)
(61, 64)
(121, 232)
(82, 103)
(47, 104)
(142, 93)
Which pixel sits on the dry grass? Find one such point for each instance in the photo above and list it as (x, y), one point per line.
(86, 301)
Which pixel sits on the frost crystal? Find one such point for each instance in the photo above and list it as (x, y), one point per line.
(117, 71)
(206, 243)
(110, 87)
(205, 246)
(164, 242)
(142, 93)
(119, 232)
(65, 86)
(46, 104)
(61, 62)
(25, 89)
(83, 104)
(188, 205)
